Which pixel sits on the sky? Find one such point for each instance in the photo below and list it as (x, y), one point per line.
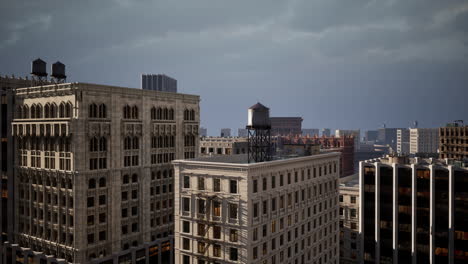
(350, 64)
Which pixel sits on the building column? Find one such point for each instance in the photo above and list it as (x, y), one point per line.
(431, 214)
(451, 216)
(377, 212)
(395, 213)
(413, 212)
(361, 210)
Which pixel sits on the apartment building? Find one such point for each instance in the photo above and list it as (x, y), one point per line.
(403, 141)
(454, 141)
(93, 175)
(423, 140)
(281, 211)
(350, 241)
(413, 211)
(223, 146)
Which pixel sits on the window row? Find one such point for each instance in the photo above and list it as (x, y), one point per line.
(163, 142)
(190, 141)
(102, 200)
(97, 111)
(130, 112)
(216, 231)
(289, 179)
(44, 144)
(92, 183)
(61, 182)
(131, 143)
(216, 207)
(162, 113)
(216, 184)
(162, 158)
(189, 115)
(202, 248)
(98, 144)
(50, 110)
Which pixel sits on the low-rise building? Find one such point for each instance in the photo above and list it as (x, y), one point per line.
(210, 146)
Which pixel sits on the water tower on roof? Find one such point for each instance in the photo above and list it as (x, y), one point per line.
(259, 133)
(58, 72)
(38, 70)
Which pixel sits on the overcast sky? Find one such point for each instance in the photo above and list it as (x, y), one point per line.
(337, 63)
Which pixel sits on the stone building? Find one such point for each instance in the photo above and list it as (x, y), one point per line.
(223, 146)
(423, 140)
(454, 142)
(279, 211)
(350, 241)
(8, 84)
(93, 173)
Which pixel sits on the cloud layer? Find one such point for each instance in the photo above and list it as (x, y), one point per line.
(347, 64)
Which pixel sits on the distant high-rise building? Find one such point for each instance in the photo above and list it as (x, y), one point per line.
(93, 174)
(158, 82)
(371, 135)
(203, 132)
(403, 141)
(225, 132)
(350, 241)
(413, 211)
(453, 141)
(424, 140)
(284, 126)
(310, 131)
(388, 136)
(242, 132)
(355, 133)
(326, 132)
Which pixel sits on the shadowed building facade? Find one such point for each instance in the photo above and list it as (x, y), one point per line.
(92, 173)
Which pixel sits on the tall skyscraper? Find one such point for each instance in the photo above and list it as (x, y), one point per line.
(403, 141)
(413, 211)
(282, 211)
(94, 174)
(423, 140)
(158, 82)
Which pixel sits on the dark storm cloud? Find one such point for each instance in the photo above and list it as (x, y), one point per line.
(338, 63)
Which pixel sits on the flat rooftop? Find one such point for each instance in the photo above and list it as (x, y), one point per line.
(242, 159)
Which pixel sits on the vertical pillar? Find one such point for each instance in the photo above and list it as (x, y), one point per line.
(395, 213)
(377, 212)
(361, 209)
(451, 214)
(413, 212)
(432, 215)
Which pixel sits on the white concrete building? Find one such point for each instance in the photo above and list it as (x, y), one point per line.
(424, 140)
(403, 141)
(280, 211)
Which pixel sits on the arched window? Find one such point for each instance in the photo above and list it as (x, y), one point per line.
(172, 143)
(171, 114)
(102, 182)
(127, 143)
(166, 141)
(19, 112)
(134, 178)
(102, 111)
(46, 111)
(159, 114)
(186, 114)
(126, 112)
(93, 144)
(134, 112)
(25, 111)
(33, 111)
(39, 111)
(166, 114)
(53, 110)
(102, 144)
(62, 110)
(68, 109)
(91, 184)
(153, 113)
(126, 179)
(135, 143)
(93, 110)
(192, 115)
(160, 142)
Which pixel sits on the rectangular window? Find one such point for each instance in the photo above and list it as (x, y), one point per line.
(233, 186)
(233, 211)
(216, 185)
(216, 208)
(201, 183)
(216, 232)
(187, 182)
(233, 235)
(216, 250)
(255, 186)
(201, 206)
(273, 182)
(186, 204)
(186, 227)
(186, 243)
(233, 255)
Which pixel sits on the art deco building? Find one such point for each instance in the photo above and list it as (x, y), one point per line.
(413, 211)
(93, 172)
(279, 211)
(454, 141)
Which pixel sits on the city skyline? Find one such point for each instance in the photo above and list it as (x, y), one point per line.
(353, 65)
